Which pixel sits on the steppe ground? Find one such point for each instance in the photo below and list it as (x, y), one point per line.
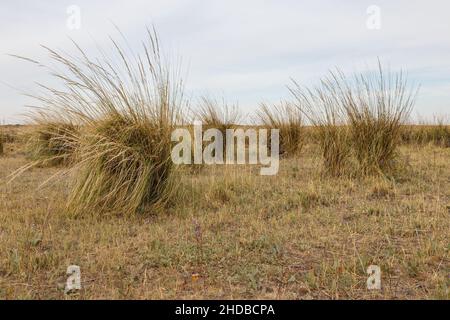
(233, 234)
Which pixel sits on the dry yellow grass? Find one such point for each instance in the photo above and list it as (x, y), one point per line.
(296, 235)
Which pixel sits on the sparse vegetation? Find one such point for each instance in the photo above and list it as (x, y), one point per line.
(234, 234)
(225, 232)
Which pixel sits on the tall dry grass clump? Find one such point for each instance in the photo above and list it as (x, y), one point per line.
(377, 105)
(323, 109)
(360, 118)
(127, 105)
(288, 120)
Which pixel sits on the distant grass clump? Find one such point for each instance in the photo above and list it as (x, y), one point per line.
(53, 143)
(323, 109)
(440, 135)
(127, 105)
(436, 132)
(361, 117)
(377, 106)
(288, 119)
(218, 115)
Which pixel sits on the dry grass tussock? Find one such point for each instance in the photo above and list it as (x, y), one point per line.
(359, 118)
(288, 119)
(127, 106)
(218, 114)
(323, 109)
(53, 143)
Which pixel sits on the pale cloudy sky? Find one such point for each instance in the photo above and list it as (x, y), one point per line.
(245, 51)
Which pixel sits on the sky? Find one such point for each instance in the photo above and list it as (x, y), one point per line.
(245, 51)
